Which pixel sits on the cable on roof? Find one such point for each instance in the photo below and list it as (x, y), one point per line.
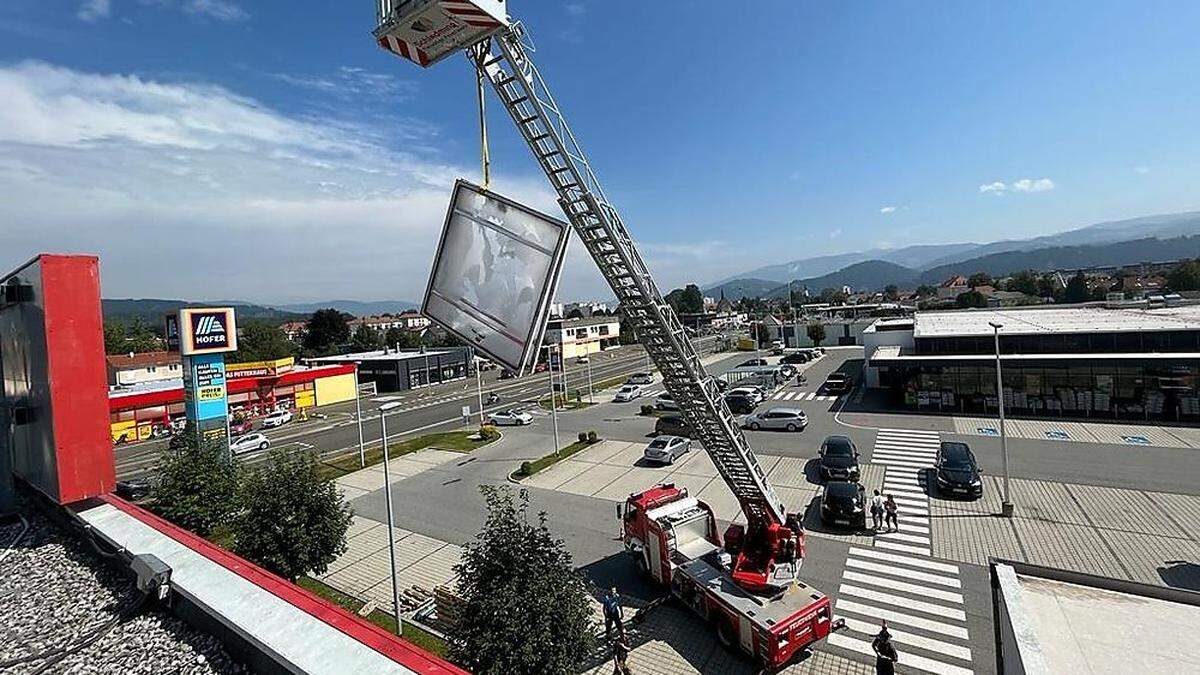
(16, 540)
(54, 655)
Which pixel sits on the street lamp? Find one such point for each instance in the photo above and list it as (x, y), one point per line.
(589, 371)
(1006, 506)
(362, 450)
(479, 389)
(553, 404)
(387, 494)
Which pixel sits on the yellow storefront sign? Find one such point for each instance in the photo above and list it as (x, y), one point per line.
(213, 393)
(259, 368)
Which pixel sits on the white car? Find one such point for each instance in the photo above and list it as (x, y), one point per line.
(248, 443)
(664, 449)
(790, 419)
(753, 392)
(640, 378)
(666, 402)
(628, 392)
(277, 419)
(510, 418)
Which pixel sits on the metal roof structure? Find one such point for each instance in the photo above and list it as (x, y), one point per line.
(380, 355)
(977, 322)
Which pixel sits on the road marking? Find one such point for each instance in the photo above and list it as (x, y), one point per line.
(901, 463)
(920, 504)
(903, 602)
(906, 659)
(904, 637)
(905, 446)
(906, 472)
(906, 587)
(900, 617)
(904, 517)
(910, 538)
(901, 457)
(913, 575)
(903, 548)
(905, 527)
(904, 560)
(903, 489)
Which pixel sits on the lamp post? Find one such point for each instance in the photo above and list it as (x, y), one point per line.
(479, 390)
(589, 371)
(387, 494)
(553, 404)
(362, 450)
(1006, 506)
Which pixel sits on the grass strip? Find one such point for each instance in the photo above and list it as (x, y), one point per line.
(530, 468)
(454, 441)
(412, 633)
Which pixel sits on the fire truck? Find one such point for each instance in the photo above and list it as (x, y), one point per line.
(745, 583)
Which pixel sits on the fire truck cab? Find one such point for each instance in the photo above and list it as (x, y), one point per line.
(673, 539)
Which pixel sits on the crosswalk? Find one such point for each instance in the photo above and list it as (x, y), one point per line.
(802, 396)
(897, 580)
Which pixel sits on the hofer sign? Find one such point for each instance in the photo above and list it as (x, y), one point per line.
(207, 330)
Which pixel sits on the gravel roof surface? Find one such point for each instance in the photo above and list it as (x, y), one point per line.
(55, 589)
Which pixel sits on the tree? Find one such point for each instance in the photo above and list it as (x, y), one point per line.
(833, 296)
(575, 314)
(926, 291)
(197, 483)
(971, 298)
(687, 300)
(122, 338)
(525, 609)
(1185, 276)
(891, 292)
(260, 341)
(979, 279)
(366, 339)
(292, 521)
(816, 333)
(1024, 282)
(325, 331)
(1048, 287)
(1077, 289)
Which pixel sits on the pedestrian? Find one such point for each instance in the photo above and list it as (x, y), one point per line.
(890, 508)
(877, 511)
(885, 652)
(612, 613)
(620, 650)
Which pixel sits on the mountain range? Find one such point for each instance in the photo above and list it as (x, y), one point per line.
(355, 307)
(151, 310)
(1131, 241)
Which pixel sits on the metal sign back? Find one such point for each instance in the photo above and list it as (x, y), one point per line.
(495, 273)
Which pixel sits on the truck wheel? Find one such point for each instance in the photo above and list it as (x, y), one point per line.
(725, 634)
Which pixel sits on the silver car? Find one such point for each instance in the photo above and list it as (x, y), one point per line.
(640, 378)
(628, 393)
(249, 443)
(790, 419)
(510, 418)
(664, 449)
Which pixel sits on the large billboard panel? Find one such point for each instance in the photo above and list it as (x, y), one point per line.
(495, 273)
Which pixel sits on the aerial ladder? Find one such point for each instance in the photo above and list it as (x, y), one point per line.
(770, 547)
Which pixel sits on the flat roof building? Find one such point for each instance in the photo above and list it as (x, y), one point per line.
(392, 370)
(1089, 361)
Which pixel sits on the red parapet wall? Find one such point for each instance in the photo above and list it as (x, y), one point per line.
(54, 371)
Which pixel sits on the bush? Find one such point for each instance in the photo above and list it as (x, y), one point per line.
(591, 437)
(489, 432)
(526, 469)
(292, 521)
(583, 437)
(647, 409)
(197, 483)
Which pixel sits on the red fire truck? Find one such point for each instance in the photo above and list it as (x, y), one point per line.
(673, 539)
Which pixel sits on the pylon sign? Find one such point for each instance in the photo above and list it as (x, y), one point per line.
(205, 334)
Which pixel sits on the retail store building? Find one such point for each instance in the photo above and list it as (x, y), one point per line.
(578, 337)
(1080, 362)
(393, 370)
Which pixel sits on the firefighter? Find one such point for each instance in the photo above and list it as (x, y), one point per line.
(885, 652)
(612, 613)
(620, 649)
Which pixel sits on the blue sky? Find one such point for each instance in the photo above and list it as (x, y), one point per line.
(270, 151)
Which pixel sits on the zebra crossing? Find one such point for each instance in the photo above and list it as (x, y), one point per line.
(802, 396)
(897, 580)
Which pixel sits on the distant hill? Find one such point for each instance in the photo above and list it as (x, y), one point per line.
(909, 256)
(151, 310)
(868, 275)
(742, 288)
(355, 307)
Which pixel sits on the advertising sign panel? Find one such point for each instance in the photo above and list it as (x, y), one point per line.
(495, 273)
(207, 330)
(171, 330)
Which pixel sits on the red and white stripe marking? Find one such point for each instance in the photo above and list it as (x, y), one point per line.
(402, 48)
(469, 14)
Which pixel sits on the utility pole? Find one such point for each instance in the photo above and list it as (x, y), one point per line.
(479, 389)
(589, 372)
(553, 404)
(391, 521)
(1006, 506)
(362, 450)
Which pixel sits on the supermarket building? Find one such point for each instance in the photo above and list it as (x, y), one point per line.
(140, 411)
(1080, 362)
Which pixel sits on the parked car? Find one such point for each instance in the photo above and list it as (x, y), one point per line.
(672, 425)
(844, 503)
(839, 459)
(277, 419)
(640, 378)
(752, 362)
(628, 392)
(241, 428)
(957, 471)
(507, 374)
(510, 418)
(248, 443)
(790, 419)
(666, 402)
(580, 360)
(740, 404)
(838, 383)
(796, 358)
(665, 449)
(752, 391)
(134, 489)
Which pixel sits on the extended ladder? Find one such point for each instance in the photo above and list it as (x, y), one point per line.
(524, 94)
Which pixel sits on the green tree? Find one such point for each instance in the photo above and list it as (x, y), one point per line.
(816, 333)
(1077, 289)
(326, 330)
(1185, 276)
(197, 483)
(926, 291)
(292, 521)
(891, 292)
(121, 337)
(1024, 282)
(833, 296)
(260, 341)
(574, 314)
(979, 279)
(525, 609)
(686, 300)
(366, 339)
(1048, 287)
(971, 298)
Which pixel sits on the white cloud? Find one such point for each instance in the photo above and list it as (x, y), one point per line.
(222, 10)
(1032, 185)
(835, 233)
(888, 209)
(1142, 170)
(995, 188)
(352, 83)
(575, 8)
(94, 10)
(188, 190)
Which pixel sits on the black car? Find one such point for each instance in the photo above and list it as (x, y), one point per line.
(795, 358)
(844, 503)
(838, 383)
(739, 404)
(722, 385)
(839, 459)
(134, 489)
(672, 425)
(752, 363)
(956, 471)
